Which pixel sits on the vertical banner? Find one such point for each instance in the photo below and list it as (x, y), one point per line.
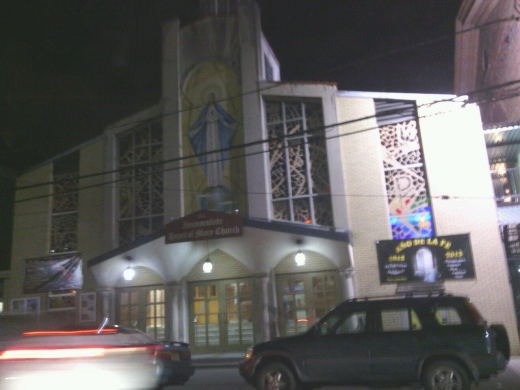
(53, 273)
(426, 260)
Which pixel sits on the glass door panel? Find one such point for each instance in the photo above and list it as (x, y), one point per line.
(206, 316)
(239, 321)
(221, 316)
(143, 308)
(304, 298)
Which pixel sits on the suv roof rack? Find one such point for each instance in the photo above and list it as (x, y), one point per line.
(420, 288)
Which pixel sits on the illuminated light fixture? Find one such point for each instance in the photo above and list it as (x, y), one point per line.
(300, 256)
(207, 267)
(129, 272)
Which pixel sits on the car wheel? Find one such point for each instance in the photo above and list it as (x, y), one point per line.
(502, 340)
(446, 375)
(275, 376)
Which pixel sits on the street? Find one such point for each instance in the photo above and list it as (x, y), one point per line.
(226, 378)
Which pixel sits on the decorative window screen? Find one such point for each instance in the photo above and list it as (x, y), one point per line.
(141, 203)
(64, 218)
(298, 156)
(405, 176)
(269, 72)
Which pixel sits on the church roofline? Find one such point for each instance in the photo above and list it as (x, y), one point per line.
(277, 226)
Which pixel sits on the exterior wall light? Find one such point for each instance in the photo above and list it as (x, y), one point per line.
(207, 267)
(129, 273)
(300, 256)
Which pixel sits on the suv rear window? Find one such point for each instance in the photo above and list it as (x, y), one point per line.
(447, 316)
(457, 312)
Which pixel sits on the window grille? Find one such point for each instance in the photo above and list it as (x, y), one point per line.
(269, 73)
(406, 183)
(64, 218)
(298, 156)
(141, 203)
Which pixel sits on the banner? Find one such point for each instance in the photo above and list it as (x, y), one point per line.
(426, 260)
(53, 273)
(203, 225)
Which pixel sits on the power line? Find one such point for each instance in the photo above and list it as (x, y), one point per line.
(310, 132)
(367, 59)
(263, 141)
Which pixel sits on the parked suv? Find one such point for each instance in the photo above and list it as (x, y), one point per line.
(441, 342)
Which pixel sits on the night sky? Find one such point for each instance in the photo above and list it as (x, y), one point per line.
(69, 68)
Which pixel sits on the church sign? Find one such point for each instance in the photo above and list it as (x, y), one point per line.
(203, 225)
(428, 260)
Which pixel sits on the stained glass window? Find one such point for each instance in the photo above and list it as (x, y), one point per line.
(141, 203)
(298, 157)
(64, 218)
(406, 186)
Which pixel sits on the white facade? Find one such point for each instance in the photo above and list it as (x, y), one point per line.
(256, 291)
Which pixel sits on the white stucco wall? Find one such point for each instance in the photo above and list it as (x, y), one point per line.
(90, 217)
(364, 191)
(31, 227)
(457, 167)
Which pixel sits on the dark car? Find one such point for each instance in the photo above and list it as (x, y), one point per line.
(441, 342)
(175, 359)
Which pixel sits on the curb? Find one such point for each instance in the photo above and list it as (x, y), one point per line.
(216, 361)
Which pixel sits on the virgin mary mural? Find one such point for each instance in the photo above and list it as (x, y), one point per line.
(213, 131)
(214, 178)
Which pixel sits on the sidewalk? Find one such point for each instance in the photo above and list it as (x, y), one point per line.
(217, 360)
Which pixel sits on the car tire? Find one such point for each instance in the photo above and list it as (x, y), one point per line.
(275, 376)
(446, 375)
(502, 340)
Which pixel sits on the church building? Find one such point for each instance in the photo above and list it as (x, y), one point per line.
(241, 207)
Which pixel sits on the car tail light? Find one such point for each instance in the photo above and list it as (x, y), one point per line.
(66, 353)
(70, 332)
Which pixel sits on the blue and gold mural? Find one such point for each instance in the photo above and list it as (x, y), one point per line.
(212, 125)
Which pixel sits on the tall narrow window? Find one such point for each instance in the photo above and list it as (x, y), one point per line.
(405, 176)
(298, 155)
(141, 205)
(269, 72)
(64, 219)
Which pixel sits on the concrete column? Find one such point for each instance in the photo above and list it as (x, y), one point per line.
(175, 291)
(107, 304)
(184, 313)
(348, 283)
(266, 333)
